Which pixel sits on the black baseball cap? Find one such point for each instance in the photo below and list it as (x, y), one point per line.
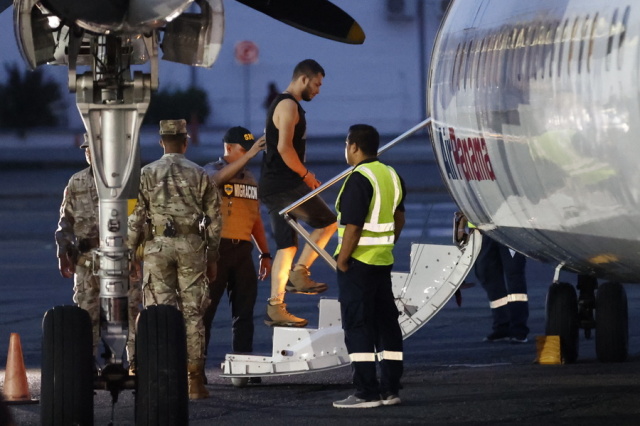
(239, 135)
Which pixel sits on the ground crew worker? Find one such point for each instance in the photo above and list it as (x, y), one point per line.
(183, 210)
(77, 235)
(241, 222)
(501, 271)
(370, 209)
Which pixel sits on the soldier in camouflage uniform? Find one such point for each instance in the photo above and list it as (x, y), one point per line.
(76, 236)
(182, 208)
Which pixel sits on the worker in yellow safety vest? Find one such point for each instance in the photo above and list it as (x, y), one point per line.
(370, 210)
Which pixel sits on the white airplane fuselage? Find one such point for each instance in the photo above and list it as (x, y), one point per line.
(536, 127)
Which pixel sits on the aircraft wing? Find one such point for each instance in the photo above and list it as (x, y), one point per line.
(318, 17)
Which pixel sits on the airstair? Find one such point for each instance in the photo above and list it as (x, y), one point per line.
(435, 274)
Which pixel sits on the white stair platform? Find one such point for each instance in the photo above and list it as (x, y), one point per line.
(436, 272)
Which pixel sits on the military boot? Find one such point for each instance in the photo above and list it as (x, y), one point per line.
(196, 381)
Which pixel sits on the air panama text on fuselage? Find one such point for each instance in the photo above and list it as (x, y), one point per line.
(464, 158)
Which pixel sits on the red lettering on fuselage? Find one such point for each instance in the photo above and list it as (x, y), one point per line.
(465, 158)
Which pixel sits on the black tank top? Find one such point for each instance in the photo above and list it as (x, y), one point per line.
(275, 175)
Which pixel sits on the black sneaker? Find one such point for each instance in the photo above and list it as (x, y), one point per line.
(390, 399)
(353, 401)
(519, 340)
(497, 337)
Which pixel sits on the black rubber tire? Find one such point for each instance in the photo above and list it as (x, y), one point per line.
(561, 319)
(612, 323)
(66, 395)
(162, 395)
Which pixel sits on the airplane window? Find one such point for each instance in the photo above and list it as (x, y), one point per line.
(508, 52)
(455, 67)
(553, 34)
(574, 32)
(612, 30)
(583, 37)
(480, 60)
(591, 42)
(563, 37)
(543, 50)
(463, 66)
(534, 51)
(486, 78)
(467, 66)
(495, 62)
(623, 32)
(519, 55)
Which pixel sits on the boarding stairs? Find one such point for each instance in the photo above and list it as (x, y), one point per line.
(436, 272)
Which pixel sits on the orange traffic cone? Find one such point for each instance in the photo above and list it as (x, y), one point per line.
(16, 386)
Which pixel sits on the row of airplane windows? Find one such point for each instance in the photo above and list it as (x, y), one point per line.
(538, 51)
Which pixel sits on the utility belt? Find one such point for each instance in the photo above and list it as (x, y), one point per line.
(86, 244)
(174, 229)
(78, 252)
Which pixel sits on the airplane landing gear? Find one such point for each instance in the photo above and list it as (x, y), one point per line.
(161, 353)
(565, 314)
(612, 323)
(562, 319)
(67, 367)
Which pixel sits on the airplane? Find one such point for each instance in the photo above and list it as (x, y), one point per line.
(532, 108)
(530, 118)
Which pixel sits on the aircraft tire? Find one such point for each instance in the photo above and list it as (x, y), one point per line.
(162, 395)
(612, 323)
(562, 319)
(66, 395)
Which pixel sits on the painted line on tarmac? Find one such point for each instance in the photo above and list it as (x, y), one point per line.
(496, 364)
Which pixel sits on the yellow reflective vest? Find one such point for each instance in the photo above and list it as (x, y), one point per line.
(375, 246)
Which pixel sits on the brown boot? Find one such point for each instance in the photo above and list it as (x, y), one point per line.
(196, 381)
(300, 282)
(278, 316)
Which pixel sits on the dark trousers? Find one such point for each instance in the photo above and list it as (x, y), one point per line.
(503, 276)
(236, 274)
(370, 323)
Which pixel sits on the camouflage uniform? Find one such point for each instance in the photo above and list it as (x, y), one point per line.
(174, 195)
(78, 231)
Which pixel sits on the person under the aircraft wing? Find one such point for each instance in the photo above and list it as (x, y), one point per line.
(241, 222)
(284, 179)
(370, 209)
(181, 256)
(76, 236)
(501, 271)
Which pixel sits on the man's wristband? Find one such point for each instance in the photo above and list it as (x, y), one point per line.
(305, 175)
(265, 255)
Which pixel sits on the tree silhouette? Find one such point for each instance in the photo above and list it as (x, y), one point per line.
(28, 100)
(190, 104)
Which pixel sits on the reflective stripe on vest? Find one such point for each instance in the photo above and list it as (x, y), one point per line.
(376, 241)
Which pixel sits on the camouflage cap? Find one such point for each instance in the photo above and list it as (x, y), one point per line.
(85, 144)
(173, 127)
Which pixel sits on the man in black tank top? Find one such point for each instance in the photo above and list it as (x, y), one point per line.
(285, 179)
